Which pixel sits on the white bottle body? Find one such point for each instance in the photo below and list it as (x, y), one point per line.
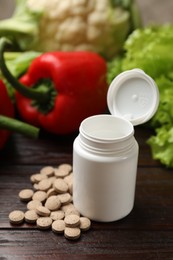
(105, 168)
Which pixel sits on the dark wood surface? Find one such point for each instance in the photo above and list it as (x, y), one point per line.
(146, 233)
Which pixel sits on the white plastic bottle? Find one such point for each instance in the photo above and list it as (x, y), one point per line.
(105, 153)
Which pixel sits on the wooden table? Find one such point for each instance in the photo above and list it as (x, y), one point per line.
(146, 233)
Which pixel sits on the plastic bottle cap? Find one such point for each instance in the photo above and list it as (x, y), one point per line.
(134, 96)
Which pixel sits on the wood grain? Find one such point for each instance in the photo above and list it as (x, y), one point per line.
(146, 233)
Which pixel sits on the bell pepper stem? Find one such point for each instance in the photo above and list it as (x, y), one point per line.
(15, 125)
(41, 94)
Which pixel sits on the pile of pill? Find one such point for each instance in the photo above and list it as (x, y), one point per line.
(50, 203)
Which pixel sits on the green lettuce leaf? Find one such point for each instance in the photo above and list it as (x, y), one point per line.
(151, 49)
(162, 145)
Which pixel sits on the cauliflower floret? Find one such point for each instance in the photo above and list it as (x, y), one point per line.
(62, 9)
(79, 2)
(101, 5)
(97, 18)
(72, 30)
(93, 33)
(93, 25)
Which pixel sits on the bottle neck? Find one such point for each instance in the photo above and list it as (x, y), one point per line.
(106, 134)
(117, 147)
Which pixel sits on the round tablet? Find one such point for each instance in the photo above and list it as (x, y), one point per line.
(35, 186)
(72, 233)
(53, 203)
(33, 204)
(31, 216)
(52, 179)
(32, 178)
(40, 195)
(72, 220)
(85, 223)
(67, 207)
(42, 211)
(39, 177)
(57, 215)
(47, 170)
(60, 173)
(26, 194)
(44, 222)
(60, 186)
(44, 185)
(58, 226)
(65, 167)
(69, 179)
(70, 188)
(65, 198)
(16, 217)
(72, 211)
(51, 192)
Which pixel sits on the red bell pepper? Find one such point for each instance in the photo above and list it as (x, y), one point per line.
(7, 122)
(60, 89)
(7, 109)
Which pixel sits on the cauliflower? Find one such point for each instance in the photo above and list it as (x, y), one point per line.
(70, 25)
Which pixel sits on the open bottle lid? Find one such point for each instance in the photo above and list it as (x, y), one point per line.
(133, 95)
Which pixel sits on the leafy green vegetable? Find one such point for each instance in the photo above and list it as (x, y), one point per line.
(151, 49)
(23, 28)
(114, 68)
(162, 145)
(164, 115)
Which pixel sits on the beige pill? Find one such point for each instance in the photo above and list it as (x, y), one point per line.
(45, 185)
(16, 217)
(72, 221)
(53, 203)
(51, 192)
(47, 170)
(58, 226)
(70, 188)
(39, 177)
(57, 215)
(32, 179)
(31, 216)
(35, 186)
(40, 195)
(60, 173)
(72, 211)
(69, 179)
(36, 178)
(26, 194)
(52, 179)
(33, 204)
(67, 207)
(72, 233)
(65, 198)
(66, 167)
(60, 186)
(43, 211)
(85, 223)
(44, 222)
